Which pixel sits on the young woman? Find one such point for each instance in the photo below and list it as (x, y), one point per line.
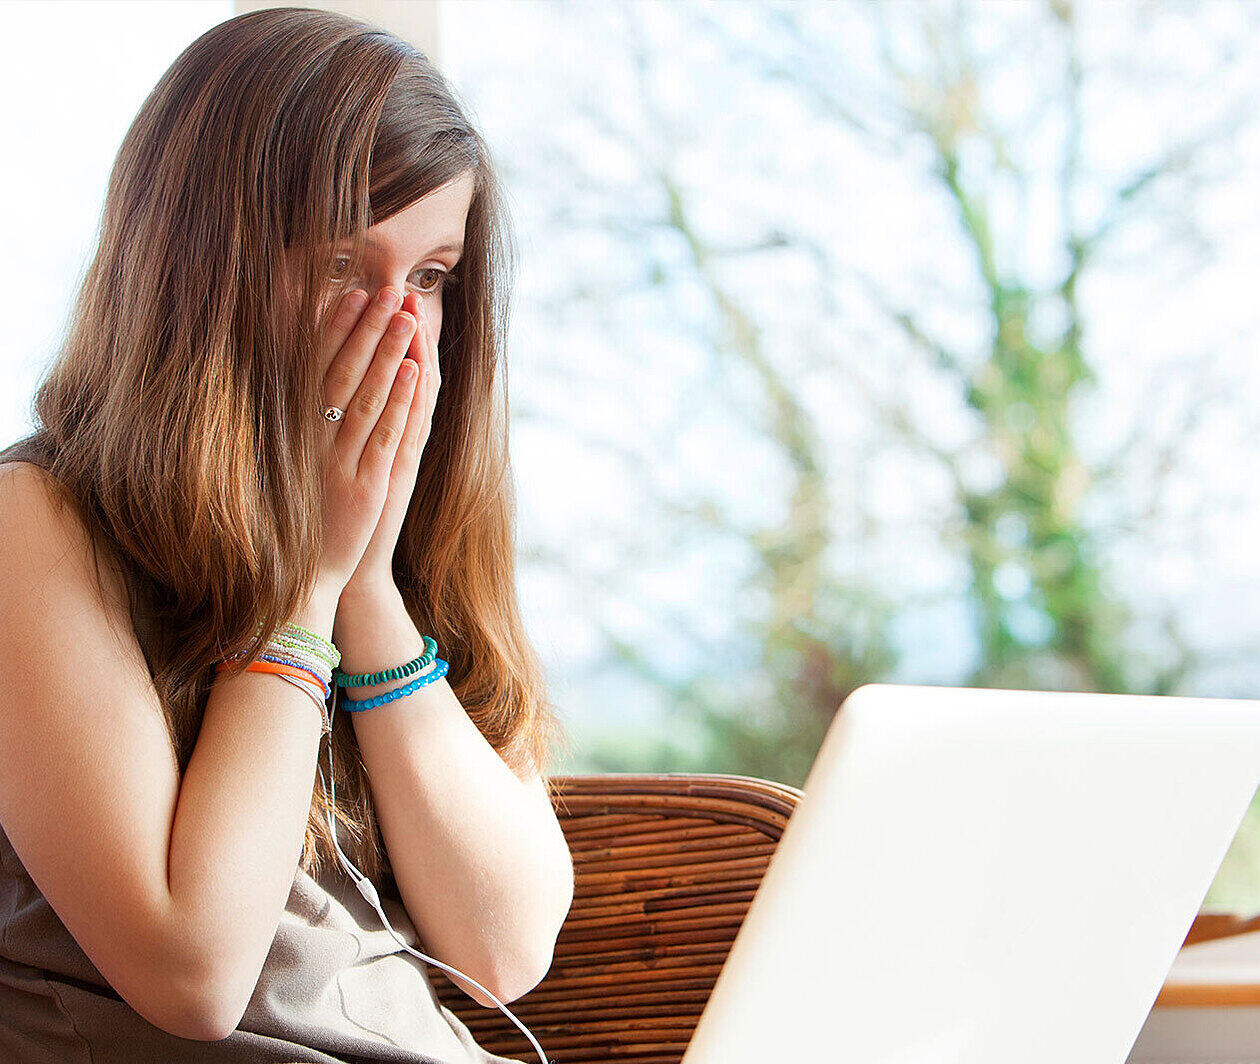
(246, 490)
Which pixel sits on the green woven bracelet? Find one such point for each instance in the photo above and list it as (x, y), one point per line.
(318, 649)
(396, 673)
(324, 648)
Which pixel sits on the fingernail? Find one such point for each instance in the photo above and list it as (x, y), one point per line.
(390, 298)
(356, 301)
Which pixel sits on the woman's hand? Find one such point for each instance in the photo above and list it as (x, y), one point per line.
(369, 377)
(376, 568)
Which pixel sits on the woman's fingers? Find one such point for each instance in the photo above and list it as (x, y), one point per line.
(417, 351)
(432, 379)
(365, 407)
(378, 456)
(351, 362)
(341, 322)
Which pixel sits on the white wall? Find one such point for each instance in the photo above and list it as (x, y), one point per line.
(73, 77)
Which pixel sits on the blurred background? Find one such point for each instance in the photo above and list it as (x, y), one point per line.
(908, 342)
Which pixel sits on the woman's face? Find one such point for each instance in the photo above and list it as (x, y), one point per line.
(413, 250)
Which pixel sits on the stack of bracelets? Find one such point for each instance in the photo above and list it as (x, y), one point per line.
(309, 662)
(428, 665)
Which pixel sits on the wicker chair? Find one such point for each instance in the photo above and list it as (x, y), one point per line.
(666, 865)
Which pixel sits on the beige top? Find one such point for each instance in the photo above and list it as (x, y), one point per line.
(336, 987)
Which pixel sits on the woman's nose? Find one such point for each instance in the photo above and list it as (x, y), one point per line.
(375, 283)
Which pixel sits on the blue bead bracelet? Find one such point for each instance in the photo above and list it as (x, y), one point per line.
(301, 663)
(352, 705)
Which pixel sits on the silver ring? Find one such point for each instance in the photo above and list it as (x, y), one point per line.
(333, 413)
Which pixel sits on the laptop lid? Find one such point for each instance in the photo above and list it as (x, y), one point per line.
(982, 876)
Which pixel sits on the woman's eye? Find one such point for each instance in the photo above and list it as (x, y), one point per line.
(433, 276)
(445, 278)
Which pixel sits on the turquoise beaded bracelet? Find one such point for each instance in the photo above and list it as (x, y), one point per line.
(358, 705)
(397, 673)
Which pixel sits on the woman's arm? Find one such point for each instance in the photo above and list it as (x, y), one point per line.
(241, 821)
(173, 888)
(482, 866)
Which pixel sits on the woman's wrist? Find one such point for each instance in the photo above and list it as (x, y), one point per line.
(319, 610)
(369, 589)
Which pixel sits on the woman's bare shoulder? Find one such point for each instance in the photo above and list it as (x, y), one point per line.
(41, 522)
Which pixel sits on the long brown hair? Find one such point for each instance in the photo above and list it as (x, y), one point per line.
(182, 412)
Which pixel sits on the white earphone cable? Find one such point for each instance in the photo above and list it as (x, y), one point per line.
(368, 891)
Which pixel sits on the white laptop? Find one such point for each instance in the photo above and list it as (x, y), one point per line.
(984, 876)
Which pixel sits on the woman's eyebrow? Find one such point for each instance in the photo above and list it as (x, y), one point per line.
(458, 248)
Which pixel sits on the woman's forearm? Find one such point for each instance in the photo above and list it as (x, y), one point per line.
(240, 822)
(482, 866)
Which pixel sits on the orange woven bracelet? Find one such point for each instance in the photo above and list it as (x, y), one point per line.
(271, 666)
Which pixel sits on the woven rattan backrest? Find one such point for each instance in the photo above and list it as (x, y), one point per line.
(666, 865)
